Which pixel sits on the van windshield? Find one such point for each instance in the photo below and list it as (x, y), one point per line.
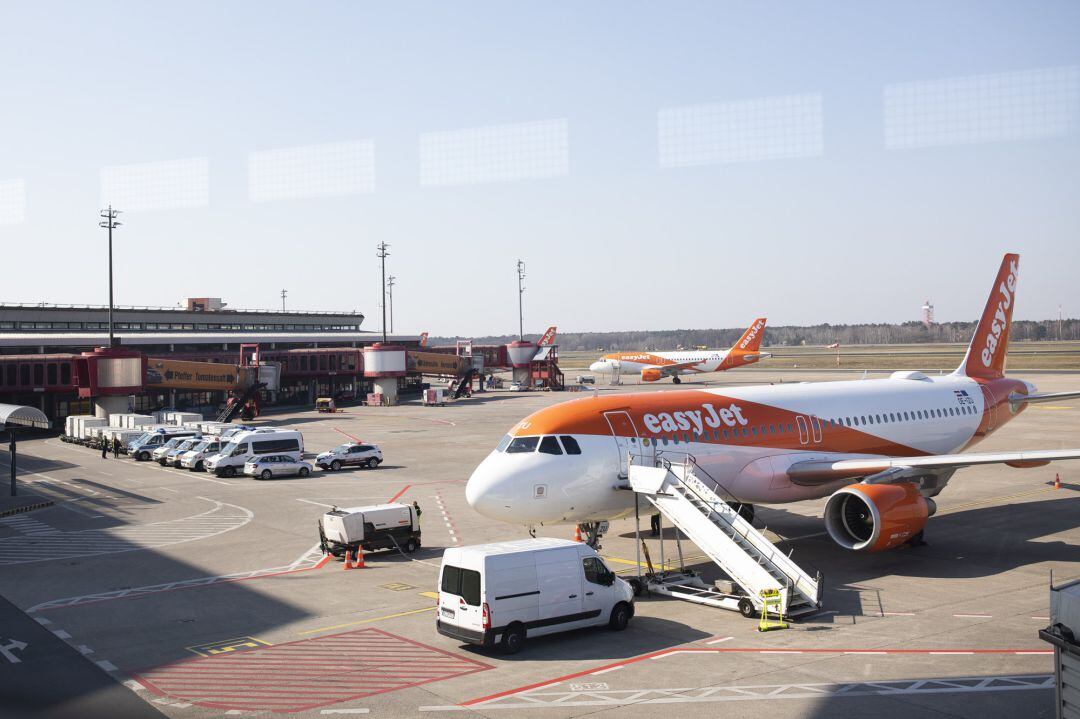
(464, 583)
(141, 438)
(229, 449)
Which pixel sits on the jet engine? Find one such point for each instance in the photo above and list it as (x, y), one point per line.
(651, 375)
(876, 517)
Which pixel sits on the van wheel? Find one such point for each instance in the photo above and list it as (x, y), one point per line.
(142, 456)
(335, 465)
(746, 608)
(230, 471)
(199, 466)
(513, 639)
(620, 616)
(304, 471)
(411, 546)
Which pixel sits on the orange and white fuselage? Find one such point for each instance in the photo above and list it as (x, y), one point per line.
(654, 366)
(898, 438)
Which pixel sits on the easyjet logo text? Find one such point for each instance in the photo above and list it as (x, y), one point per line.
(751, 335)
(999, 325)
(696, 419)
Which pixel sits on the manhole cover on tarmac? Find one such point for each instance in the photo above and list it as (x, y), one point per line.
(307, 674)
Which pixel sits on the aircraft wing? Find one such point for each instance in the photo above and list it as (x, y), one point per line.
(670, 369)
(898, 469)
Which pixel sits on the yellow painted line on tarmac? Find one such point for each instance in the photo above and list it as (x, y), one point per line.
(1051, 406)
(366, 621)
(644, 565)
(429, 595)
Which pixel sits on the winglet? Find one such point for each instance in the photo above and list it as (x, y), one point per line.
(548, 337)
(751, 339)
(985, 358)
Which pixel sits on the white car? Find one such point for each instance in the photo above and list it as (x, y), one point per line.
(195, 458)
(518, 387)
(270, 466)
(353, 454)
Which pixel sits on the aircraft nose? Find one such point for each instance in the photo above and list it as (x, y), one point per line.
(486, 490)
(598, 366)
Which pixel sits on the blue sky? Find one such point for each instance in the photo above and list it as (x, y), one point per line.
(854, 233)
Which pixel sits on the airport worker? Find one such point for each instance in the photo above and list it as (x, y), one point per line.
(416, 508)
(116, 447)
(656, 524)
(104, 448)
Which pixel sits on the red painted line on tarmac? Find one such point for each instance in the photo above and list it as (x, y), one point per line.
(403, 490)
(736, 650)
(353, 438)
(322, 562)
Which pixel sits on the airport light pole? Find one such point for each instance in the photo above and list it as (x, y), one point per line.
(390, 289)
(109, 222)
(382, 254)
(521, 293)
(284, 294)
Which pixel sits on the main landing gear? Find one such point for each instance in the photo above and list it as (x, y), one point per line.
(676, 380)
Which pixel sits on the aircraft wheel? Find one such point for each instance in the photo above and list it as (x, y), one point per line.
(676, 380)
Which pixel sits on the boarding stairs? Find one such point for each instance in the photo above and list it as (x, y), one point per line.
(233, 408)
(751, 561)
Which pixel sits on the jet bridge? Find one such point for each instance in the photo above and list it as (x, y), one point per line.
(753, 563)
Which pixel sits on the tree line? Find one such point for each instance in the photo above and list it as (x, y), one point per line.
(793, 336)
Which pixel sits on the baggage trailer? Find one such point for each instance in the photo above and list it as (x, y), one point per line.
(379, 526)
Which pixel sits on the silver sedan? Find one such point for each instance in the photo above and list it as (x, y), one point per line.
(276, 465)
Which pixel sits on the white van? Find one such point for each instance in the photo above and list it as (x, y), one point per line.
(506, 591)
(242, 446)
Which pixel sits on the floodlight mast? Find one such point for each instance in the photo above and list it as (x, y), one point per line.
(521, 293)
(109, 222)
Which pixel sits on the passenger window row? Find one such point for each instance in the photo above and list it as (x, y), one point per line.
(717, 435)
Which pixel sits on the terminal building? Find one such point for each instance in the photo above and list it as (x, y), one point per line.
(44, 351)
(320, 353)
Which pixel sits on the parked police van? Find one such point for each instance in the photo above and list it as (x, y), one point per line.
(503, 592)
(144, 446)
(242, 446)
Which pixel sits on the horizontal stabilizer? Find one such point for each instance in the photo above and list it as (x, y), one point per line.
(1043, 397)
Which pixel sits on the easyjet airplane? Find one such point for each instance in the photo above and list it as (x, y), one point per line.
(657, 365)
(880, 449)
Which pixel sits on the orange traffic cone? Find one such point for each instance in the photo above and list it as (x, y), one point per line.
(577, 534)
(359, 558)
(348, 559)
(1057, 481)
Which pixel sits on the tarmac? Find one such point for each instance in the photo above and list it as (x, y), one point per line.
(197, 596)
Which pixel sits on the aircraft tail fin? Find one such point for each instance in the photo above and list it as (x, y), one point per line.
(423, 339)
(985, 358)
(751, 338)
(548, 337)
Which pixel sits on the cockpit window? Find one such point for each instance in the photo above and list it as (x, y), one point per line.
(570, 444)
(550, 445)
(521, 445)
(503, 443)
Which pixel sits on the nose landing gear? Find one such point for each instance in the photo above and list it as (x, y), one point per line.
(591, 532)
(676, 380)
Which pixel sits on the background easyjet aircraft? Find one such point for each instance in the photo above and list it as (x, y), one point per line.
(881, 448)
(657, 365)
